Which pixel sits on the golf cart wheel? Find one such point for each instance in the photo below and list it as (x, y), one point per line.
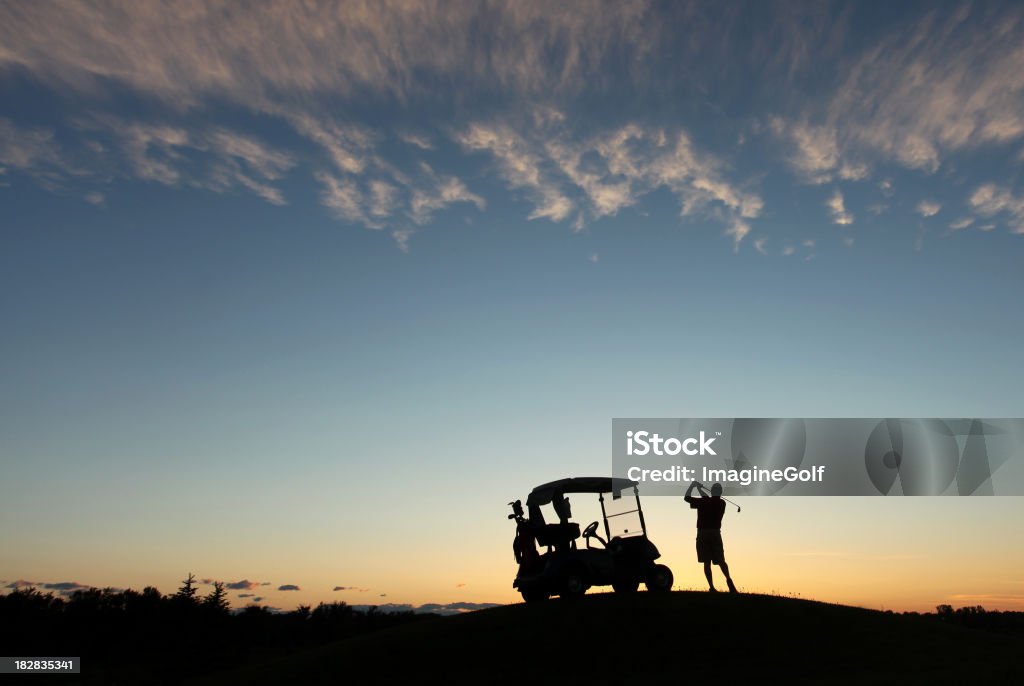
(574, 585)
(626, 586)
(534, 595)
(659, 580)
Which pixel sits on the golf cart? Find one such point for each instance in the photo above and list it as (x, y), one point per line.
(564, 568)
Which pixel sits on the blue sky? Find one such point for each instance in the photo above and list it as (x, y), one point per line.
(280, 282)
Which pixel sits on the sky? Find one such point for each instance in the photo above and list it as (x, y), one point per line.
(299, 296)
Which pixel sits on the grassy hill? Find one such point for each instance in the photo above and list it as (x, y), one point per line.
(608, 638)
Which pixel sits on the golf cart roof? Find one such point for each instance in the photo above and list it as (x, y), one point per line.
(543, 494)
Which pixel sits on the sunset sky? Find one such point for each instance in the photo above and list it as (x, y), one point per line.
(304, 294)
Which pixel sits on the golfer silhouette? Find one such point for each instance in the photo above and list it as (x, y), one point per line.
(710, 509)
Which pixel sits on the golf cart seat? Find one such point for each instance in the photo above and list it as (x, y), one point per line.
(557, 534)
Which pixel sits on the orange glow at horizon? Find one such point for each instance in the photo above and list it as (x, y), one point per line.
(900, 554)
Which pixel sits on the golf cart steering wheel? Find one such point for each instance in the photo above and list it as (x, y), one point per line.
(591, 532)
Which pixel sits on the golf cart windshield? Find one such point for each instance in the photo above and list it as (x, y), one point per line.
(623, 516)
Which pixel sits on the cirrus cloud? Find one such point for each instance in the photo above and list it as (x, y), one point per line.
(605, 172)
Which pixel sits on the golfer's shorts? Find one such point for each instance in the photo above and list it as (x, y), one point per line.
(709, 546)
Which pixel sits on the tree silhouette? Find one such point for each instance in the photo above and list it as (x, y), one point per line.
(217, 599)
(188, 590)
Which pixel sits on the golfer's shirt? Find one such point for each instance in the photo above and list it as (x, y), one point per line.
(709, 511)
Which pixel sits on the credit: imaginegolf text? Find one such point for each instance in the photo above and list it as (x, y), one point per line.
(741, 477)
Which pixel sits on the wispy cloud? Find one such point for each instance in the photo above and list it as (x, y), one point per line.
(928, 208)
(244, 584)
(837, 208)
(393, 198)
(347, 144)
(398, 50)
(738, 230)
(924, 88)
(814, 155)
(343, 197)
(607, 171)
(35, 152)
(853, 171)
(383, 198)
(943, 82)
(932, 85)
(520, 166)
(991, 200)
(288, 587)
(438, 192)
(214, 159)
(402, 237)
(64, 588)
(155, 151)
(28, 148)
(67, 586)
(269, 163)
(420, 141)
(814, 152)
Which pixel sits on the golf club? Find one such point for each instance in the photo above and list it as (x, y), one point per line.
(705, 490)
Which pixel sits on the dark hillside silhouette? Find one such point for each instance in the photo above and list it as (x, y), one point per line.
(142, 637)
(678, 637)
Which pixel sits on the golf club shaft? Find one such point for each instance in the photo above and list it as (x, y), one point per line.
(705, 490)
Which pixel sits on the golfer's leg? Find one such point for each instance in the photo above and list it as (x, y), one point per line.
(707, 573)
(728, 576)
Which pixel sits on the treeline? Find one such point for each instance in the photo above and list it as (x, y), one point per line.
(146, 636)
(975, 617)
(978, 617)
